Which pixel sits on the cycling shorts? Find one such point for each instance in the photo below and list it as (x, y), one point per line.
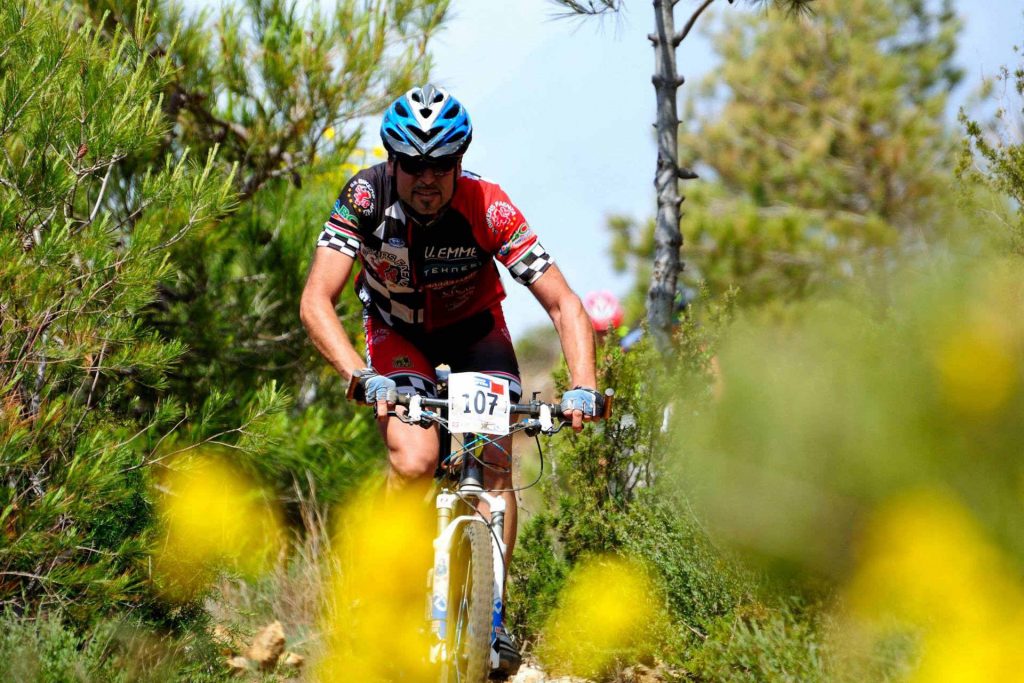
(480, 343)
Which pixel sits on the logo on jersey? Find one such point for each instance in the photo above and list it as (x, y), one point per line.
(343, 215)
(390, 267)
(521, 235)
(361, 195)
(396, 242)
(454, 297)
(500, 216)
(449, 253)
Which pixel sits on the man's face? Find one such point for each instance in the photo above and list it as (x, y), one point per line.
(425, 186)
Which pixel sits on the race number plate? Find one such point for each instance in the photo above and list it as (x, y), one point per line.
(477, 404)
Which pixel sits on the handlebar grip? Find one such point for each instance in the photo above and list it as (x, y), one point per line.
(609, 396)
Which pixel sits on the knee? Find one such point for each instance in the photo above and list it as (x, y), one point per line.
(411, 465)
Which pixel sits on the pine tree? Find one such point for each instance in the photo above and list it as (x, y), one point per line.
(824, 145)
(153, 241)
(74, 278)
(283, 92)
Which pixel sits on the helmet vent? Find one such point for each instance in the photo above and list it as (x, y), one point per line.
(415, 97)
(401, 110)
(425, 135)
(438, 97)
(425, 112)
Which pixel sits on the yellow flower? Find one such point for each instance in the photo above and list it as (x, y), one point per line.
(977, 368)
(213, 518)
(604, 611)
(374, 622)
(926, 565)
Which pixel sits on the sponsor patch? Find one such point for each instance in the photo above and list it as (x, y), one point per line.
(361, 195)
(390, 268)
(396, 242)
(401, 362)
(500, 216)
(344, 213)
(521, 234)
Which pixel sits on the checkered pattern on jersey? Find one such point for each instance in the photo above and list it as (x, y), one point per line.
(339, 241)
(531, 265)
(390, 310)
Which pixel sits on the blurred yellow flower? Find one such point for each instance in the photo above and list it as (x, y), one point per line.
(329, 132)
(605, 610)
(926, 564)
(375, 621)
(978, 368)
(213, 517)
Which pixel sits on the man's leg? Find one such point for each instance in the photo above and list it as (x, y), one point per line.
(498, 477)
(412, 457)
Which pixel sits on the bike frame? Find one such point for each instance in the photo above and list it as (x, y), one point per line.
(470, 491)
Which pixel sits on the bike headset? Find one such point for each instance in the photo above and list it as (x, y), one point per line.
(426, 122)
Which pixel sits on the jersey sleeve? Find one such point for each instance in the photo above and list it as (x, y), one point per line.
(354, 205)
(518, 248)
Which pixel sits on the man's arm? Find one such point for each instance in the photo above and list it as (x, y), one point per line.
(574, 330)
(327, 278)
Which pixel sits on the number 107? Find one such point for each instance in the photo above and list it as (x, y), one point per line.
(480, 403)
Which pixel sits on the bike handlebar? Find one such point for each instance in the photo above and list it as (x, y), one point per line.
(531, 409)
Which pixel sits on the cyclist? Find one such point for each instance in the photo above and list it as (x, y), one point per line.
(427, 234)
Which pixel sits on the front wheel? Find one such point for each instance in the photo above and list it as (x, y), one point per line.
(470, 592)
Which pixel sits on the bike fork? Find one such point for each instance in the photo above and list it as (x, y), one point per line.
(440, 574)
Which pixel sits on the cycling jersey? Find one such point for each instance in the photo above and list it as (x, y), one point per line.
(427, 276)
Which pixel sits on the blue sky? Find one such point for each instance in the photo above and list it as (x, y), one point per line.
(562, 114)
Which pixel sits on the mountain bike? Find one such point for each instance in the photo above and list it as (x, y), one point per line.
(466, 582)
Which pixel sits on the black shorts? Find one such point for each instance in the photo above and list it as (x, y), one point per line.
(480, 343)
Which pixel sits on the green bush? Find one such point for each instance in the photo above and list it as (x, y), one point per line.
(49, 650)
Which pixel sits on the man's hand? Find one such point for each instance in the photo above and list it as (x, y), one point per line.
(582, 404)
(378, 389)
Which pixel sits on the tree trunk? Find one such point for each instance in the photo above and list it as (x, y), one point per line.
(667, 238)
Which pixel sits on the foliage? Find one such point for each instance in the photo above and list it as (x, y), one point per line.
(48, 650)
(74, 281)
(845, 401)
(823, 143)
(143, 310)
(759, 644)
(993, 156)
(282, 91)
(606, 495)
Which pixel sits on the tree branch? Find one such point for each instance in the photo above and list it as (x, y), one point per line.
(681, 36)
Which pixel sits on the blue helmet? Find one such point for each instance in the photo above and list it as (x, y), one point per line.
(426, 122)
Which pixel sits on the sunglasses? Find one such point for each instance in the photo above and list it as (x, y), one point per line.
(418, 165)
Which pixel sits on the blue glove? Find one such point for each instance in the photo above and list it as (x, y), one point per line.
(377, 387)
(583, 399)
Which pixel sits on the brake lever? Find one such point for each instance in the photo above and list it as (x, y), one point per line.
(556, 427)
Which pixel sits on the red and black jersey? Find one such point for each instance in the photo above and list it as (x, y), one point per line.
(424, 277)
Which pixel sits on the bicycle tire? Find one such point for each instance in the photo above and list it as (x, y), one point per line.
(470, 592)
